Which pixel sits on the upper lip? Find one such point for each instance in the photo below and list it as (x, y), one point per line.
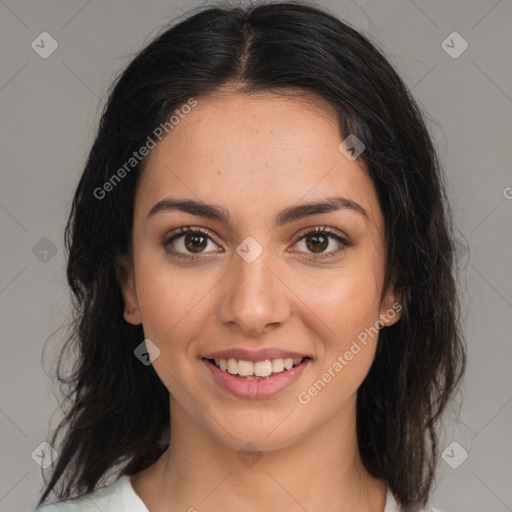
(254, 355)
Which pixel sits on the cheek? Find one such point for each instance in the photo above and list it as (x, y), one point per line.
(346, 301)
(172, 300)
(174, 318)
(173, 306)
(348, 309)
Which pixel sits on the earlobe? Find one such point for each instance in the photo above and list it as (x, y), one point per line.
(126, 281)
(391, 310)
(132, 316)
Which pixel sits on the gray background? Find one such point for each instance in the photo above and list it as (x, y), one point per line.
(49, 109)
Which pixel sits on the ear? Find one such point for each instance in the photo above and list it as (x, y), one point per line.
(126, 280)
(391, 306)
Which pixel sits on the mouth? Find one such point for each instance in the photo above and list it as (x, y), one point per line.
(257, 370)
(269, 377)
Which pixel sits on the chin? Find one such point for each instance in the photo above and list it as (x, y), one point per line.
(265, 436)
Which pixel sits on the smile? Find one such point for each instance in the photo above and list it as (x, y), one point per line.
(257, 369)
(259, 379)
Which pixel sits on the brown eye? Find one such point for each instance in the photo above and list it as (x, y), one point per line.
(188, 242)
(195, 243)
(317, 243)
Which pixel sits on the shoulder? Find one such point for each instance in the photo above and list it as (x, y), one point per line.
(108, 498)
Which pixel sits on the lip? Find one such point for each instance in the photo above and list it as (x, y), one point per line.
(255, 389)
(254, 355)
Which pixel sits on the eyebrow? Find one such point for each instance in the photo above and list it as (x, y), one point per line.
(289, 214)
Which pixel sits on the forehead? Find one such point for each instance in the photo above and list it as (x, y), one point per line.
(255, 154)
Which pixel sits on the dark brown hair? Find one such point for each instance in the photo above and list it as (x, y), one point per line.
(118, 414)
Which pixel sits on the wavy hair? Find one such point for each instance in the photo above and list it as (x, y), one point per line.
(117, 414)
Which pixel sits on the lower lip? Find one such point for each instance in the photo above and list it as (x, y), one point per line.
(257, 388)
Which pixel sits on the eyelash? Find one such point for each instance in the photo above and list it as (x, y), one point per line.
(323, 230)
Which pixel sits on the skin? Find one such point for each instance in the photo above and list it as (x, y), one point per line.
(253, 156)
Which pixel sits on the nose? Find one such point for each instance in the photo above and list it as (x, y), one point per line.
(254, 299)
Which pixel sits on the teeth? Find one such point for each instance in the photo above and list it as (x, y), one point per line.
(262, 368)
(259, 368)
(245, 368)
(277, 365)
(232, 366)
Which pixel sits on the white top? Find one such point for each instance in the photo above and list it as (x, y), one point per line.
(121, 497)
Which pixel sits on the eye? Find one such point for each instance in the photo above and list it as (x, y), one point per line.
(186, 242)
(191, 243)
(319, 239)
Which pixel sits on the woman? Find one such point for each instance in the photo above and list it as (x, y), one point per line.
(260, 251)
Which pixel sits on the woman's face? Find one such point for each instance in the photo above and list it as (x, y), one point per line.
(252, 280)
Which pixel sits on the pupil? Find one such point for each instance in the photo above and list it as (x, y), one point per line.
(319, 245)
(192, 242)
